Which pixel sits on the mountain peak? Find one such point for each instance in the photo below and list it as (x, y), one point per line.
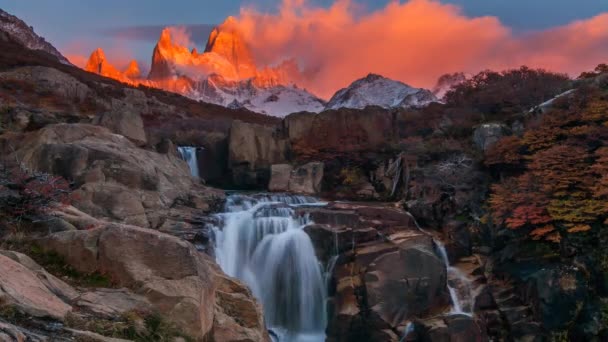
(227, 41)
(97, 61)
(25, 35)
(377, 90)
(133, 70)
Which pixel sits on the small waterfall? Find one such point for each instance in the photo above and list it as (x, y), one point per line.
(188, 153)
(409, 328)
(262, 242)
(459, 298)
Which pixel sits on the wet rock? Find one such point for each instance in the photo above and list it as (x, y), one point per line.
(335, 218)
(459, 239)
(170, 274)
(238, 316)
(453, 328)
(406, 282)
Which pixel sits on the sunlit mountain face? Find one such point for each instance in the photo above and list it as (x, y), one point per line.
(299, 56)
(224, 73)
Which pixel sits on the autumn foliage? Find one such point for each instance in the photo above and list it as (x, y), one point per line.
(29, 195)
(499, 94)
(559, 186)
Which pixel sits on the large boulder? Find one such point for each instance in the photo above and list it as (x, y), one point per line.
(124, 119)
(115, 179)
(253, 149)
(385, 272)
(307, 179)
(180, 283)
(21, 287)
(409, 281)
(280, 175)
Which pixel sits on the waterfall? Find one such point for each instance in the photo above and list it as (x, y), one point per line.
(459, 298)
(261, 242)
(188, 153)
(409, 328)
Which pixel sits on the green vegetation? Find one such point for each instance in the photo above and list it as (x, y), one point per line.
(57, 266)
(131, 325)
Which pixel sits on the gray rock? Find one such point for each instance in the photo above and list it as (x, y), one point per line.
(280, 175)
(307, 178)
(488, 134)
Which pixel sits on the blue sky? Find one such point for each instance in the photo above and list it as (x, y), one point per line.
(78, 24)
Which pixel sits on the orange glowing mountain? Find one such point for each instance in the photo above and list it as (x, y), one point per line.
(227, 74)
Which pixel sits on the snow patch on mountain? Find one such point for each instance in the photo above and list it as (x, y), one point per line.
(26, 36)
(376, 90)
(278, 100)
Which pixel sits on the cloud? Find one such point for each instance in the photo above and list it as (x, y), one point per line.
(415, 41)
(150, 33)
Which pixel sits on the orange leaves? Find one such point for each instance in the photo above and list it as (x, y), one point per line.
(541, 232)
(529, 214)
(506, 151)
(580, 228)
(563, 185)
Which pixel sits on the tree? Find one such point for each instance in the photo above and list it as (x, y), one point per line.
(499, 94)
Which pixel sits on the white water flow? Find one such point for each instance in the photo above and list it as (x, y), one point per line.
(460, 295)
(261, 242)
(409, 328)
(188, 153)
(461, 299)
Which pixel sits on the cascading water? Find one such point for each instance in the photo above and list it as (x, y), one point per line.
(188, 153)
(262, 242)
(458, 298)
(462, 298)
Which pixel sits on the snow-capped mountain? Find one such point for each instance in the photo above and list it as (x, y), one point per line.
(26, 36)
(276, 100)
(226, 74)
(376, 90)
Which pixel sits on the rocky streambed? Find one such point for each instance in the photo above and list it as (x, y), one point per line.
(340, 271)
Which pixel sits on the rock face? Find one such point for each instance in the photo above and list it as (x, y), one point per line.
(305, 179)
(280, 175)
(252, 150)
(344, 130)
(26, 36)
(178, 281)
(488, 134)
(115, 179)
(455, 328)
(51, 80)
(378, 284)
(21, 287)
(125, 120)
